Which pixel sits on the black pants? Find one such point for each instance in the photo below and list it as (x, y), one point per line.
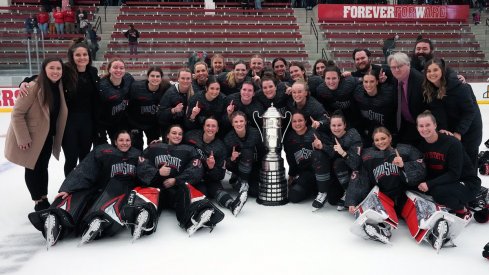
(303, 186)
(37, 179)
(77, 139)
(454, 195)
(151, 134)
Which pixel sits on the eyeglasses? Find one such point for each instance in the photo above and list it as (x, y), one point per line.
(396, 68)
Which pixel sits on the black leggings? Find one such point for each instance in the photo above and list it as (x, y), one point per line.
(77, 140)
(37, 179)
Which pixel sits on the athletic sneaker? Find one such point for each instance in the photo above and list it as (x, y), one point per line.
(200, 221)
(439, 234)
(319, 201)
(140, 225)
(52, 230)
(94, 230)
(377, 232)
(238, 203)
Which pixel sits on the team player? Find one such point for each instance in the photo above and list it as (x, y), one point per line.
(344, 149)
(173, 104)
(336, 93)
(114, 99)
(144, 98)
(205, 104)
(244, 153)
(272, 92)
(389, 171)
(309, 166)
(243, 101)
(231, 81)
(377, 105)
(178, 170)
(212, 152)
(93, 197)
(200, 77)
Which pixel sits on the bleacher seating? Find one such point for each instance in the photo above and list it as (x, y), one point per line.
(453, 41)
(171, 33)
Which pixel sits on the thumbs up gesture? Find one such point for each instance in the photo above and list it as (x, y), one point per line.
(230, 108)
(317, 144)
(165, 170)
(398, 160)
(314, 123)
(211, 161)
(338, 149)
(234, 154)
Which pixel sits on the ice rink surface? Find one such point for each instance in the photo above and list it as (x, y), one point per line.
(288, 239)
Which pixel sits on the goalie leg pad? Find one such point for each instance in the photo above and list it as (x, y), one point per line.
(142, 198)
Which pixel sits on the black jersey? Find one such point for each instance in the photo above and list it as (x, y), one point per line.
(377, 110)
(143, 105)
(340, 99)
(252, 141)
(279, 101)
(447, 162)
(104, 163)
(216, 147)
(215, 108)
(249, 109)
(169, 100)
(351, 142)
(114, 100)
(391, 179)
(183, 160)
(298, 151)
(312, 109)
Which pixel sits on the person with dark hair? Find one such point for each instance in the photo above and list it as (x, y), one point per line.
(336, 93)
(245, 151)
(422, 52)
(231, 81)
(43, 20)
(389, 46)
(377, 106)
(280, 69)
(454, 106)
(114, 99)
(132, 36)
(200, 77)
(213, 154)
(59, 21)
(203, 105)
(36, 129)
(144, 98)
(30, 25)
(298, 72)
(243, 101)
(309, 166)
(450, 179)
(272, 92)
(174, 102)
(343, 149)
(178, 170)
(102, 195)
(318, 67)
(363, 64)
(69, 19)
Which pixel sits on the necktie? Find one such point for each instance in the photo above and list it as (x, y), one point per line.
(400, 94)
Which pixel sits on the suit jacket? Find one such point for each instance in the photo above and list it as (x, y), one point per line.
(30, 124)
(414, 93)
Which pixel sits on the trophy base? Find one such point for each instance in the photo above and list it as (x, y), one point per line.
(272, 190)
(272, 203)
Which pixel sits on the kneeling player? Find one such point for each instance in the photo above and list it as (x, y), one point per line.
(176, 167)
(92, 197)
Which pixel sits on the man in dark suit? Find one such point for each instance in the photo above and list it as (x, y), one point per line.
(410, 96)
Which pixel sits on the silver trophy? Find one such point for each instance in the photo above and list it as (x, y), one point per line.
(272, 189)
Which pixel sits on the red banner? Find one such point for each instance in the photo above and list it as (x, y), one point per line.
(372, 13)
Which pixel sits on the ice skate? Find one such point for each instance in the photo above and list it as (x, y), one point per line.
(439, 234)
(52, 230)
(377, 232)
(238, 203)
(140, 225)
(319, 202)
(203, 217)
(94, 230)
(340, 206)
